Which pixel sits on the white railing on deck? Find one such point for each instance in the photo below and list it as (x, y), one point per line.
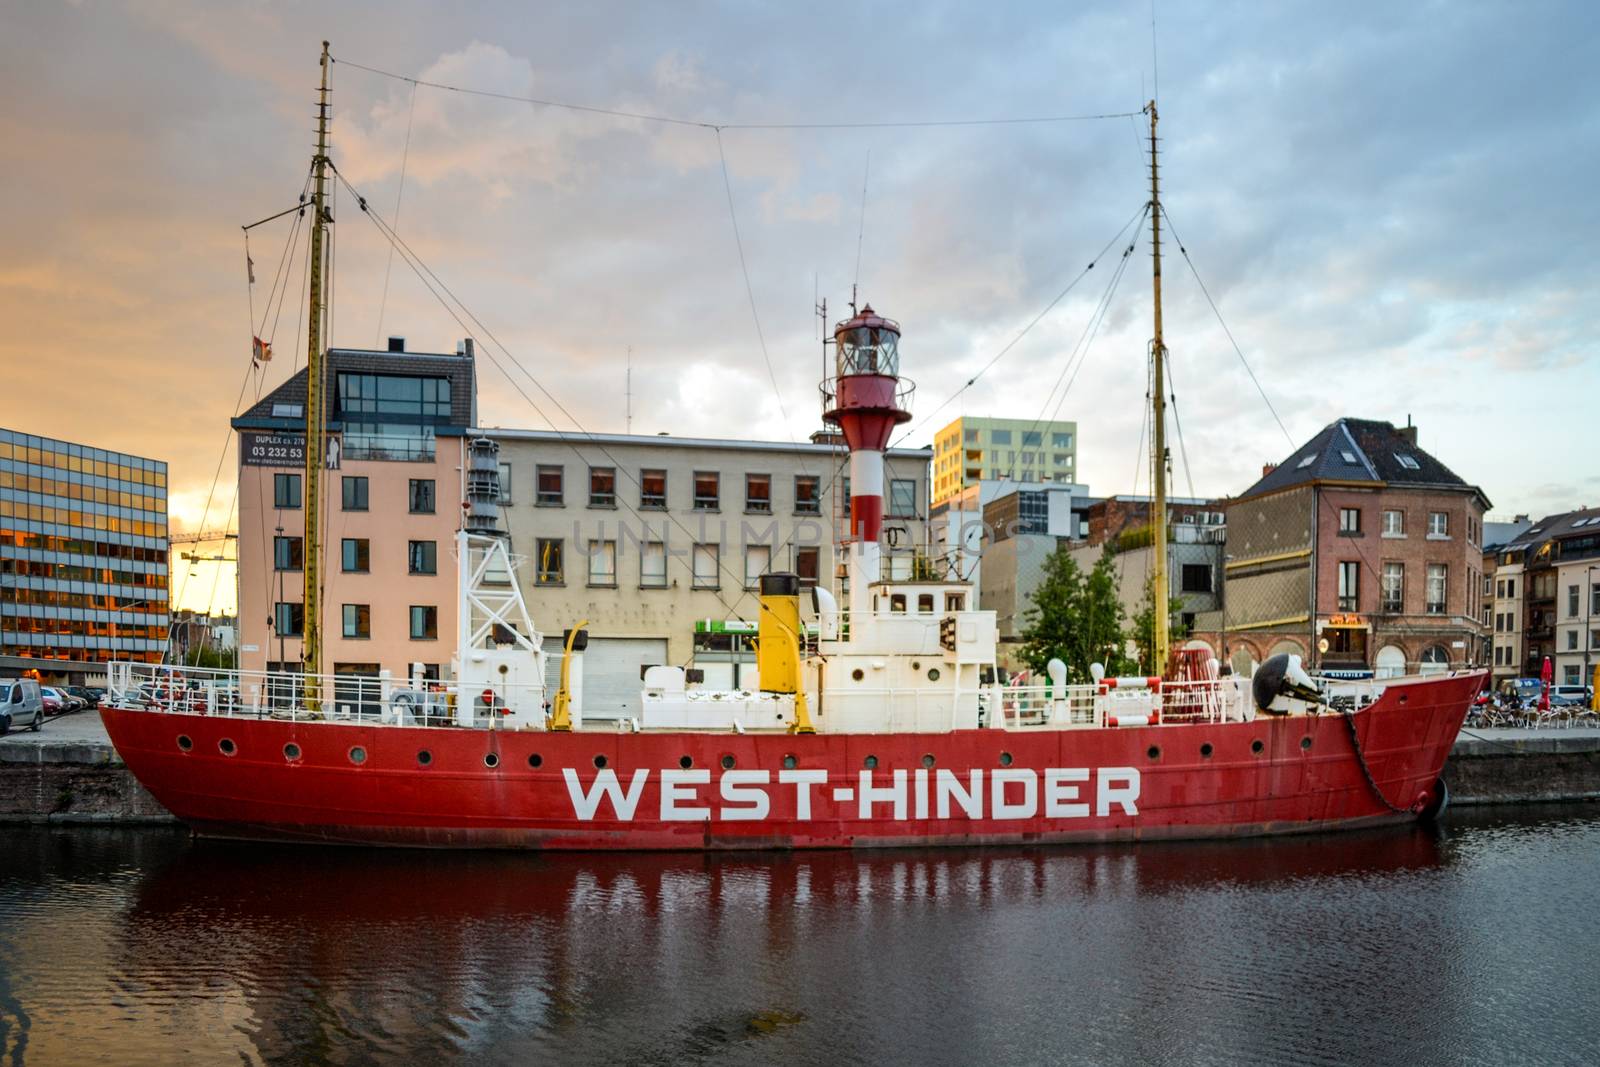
(1222, 700)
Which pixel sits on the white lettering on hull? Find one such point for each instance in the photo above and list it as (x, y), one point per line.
(1014, 794)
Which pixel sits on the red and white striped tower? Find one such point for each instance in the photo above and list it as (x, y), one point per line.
(866, 401)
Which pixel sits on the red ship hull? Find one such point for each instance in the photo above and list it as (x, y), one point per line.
(436, 787)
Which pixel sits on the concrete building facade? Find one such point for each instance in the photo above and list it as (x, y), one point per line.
(971, 450)
(83, 558)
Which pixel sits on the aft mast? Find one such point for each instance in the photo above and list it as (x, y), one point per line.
(315, 421)
(1158, 422)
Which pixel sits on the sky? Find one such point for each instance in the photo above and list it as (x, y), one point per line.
(1390, 204)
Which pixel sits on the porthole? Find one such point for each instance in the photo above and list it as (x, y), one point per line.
(789, 763)
(685, 762)
(1305, 744)
(184, 742)
(491, 760)
(291, 751)
(1205, 750)
(358, 755)
(534, 760)
(1154, 752)
(1005, 759)
(858, 674)
(227, 747)
(424, 758)
(915, 665)
(727, 763)
(933, 674)
(1256, 746)
(599, 761)
(870, 763)
(927, 759)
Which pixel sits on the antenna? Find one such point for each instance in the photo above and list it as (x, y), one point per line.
(862, 231)
(627, 389)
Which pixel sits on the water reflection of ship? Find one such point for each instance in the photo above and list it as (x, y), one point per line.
(455, 952)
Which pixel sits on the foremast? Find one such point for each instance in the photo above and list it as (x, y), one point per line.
(316, 423)
(1162, 637)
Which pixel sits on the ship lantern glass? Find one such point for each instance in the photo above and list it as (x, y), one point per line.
(868, 344)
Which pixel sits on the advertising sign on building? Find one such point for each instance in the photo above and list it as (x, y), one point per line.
(272, 449)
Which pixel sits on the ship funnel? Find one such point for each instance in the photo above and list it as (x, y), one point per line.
(483, 487)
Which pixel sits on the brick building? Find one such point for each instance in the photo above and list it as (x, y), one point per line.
(1116, 515)
(1361, 552)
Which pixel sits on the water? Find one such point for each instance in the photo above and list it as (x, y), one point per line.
(1475, 944)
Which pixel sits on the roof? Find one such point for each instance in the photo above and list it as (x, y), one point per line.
(458, 368)
(1563, 524)
(496, 433)
(1361, 450)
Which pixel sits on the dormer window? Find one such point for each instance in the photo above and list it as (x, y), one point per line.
(1349, 457)
(1308, 461)
(1408, 462)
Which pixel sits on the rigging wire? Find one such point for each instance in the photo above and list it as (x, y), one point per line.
(1183, 450)
(405, 156)
(1218, 313)
(861, 232)
(704, 124)
(435, 287)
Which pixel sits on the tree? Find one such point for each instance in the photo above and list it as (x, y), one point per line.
(1144, 628)
(207, 656)
(1075, 617)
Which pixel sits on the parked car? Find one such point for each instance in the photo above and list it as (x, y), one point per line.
(1521, 690)
(64, 700)
(21, 704)
(1569, 695)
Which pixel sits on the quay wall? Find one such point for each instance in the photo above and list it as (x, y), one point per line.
(85, 781)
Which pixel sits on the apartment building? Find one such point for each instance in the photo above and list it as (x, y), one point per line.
(657, 542)
(971, 449)
(83, 558)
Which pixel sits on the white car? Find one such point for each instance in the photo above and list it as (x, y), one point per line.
(21, 704)
(1567, 695)
(67, 701)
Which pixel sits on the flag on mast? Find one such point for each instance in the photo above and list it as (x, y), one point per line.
(250, 268)
(260, 351)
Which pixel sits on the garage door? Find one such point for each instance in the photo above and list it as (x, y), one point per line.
(611, 680)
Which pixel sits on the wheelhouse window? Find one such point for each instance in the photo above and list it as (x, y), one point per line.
(758, 493)
(420, 494)
(602, 487)
(807, 494)
(707, 490)
(286, 490)
(549, 493)
(355, 493)
(652, 488)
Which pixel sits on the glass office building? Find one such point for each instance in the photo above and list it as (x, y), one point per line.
(83, 557)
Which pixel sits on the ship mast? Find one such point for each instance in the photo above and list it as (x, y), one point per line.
(1158, 423)
(315, 422)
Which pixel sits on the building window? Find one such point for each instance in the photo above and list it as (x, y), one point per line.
(423, 557)
(706, 566)
(706, 490)
(1594, 599)
(602, 487)
(757, 561)
(289, 620)
(807, 494)
(357, 621)
(758, 493)
(1438, 524)
(286, 490)
(1197, 577)
(903, 498)
(1572, 640)
(970, 436)
(653, 565)
(1394, 523)
(356, 554)
(550, 572)
(548, 491)
(1349, 585)
(1437, 588)
(652, 488)
(603, 563)
(1349, 520)
(1000, 437)
(806, 564)
(1061, 440)
(505, 484)
(1572, 602)
(419, 494)
(1394, 587)
(355, 493)
(288, 553)
(424, 622)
